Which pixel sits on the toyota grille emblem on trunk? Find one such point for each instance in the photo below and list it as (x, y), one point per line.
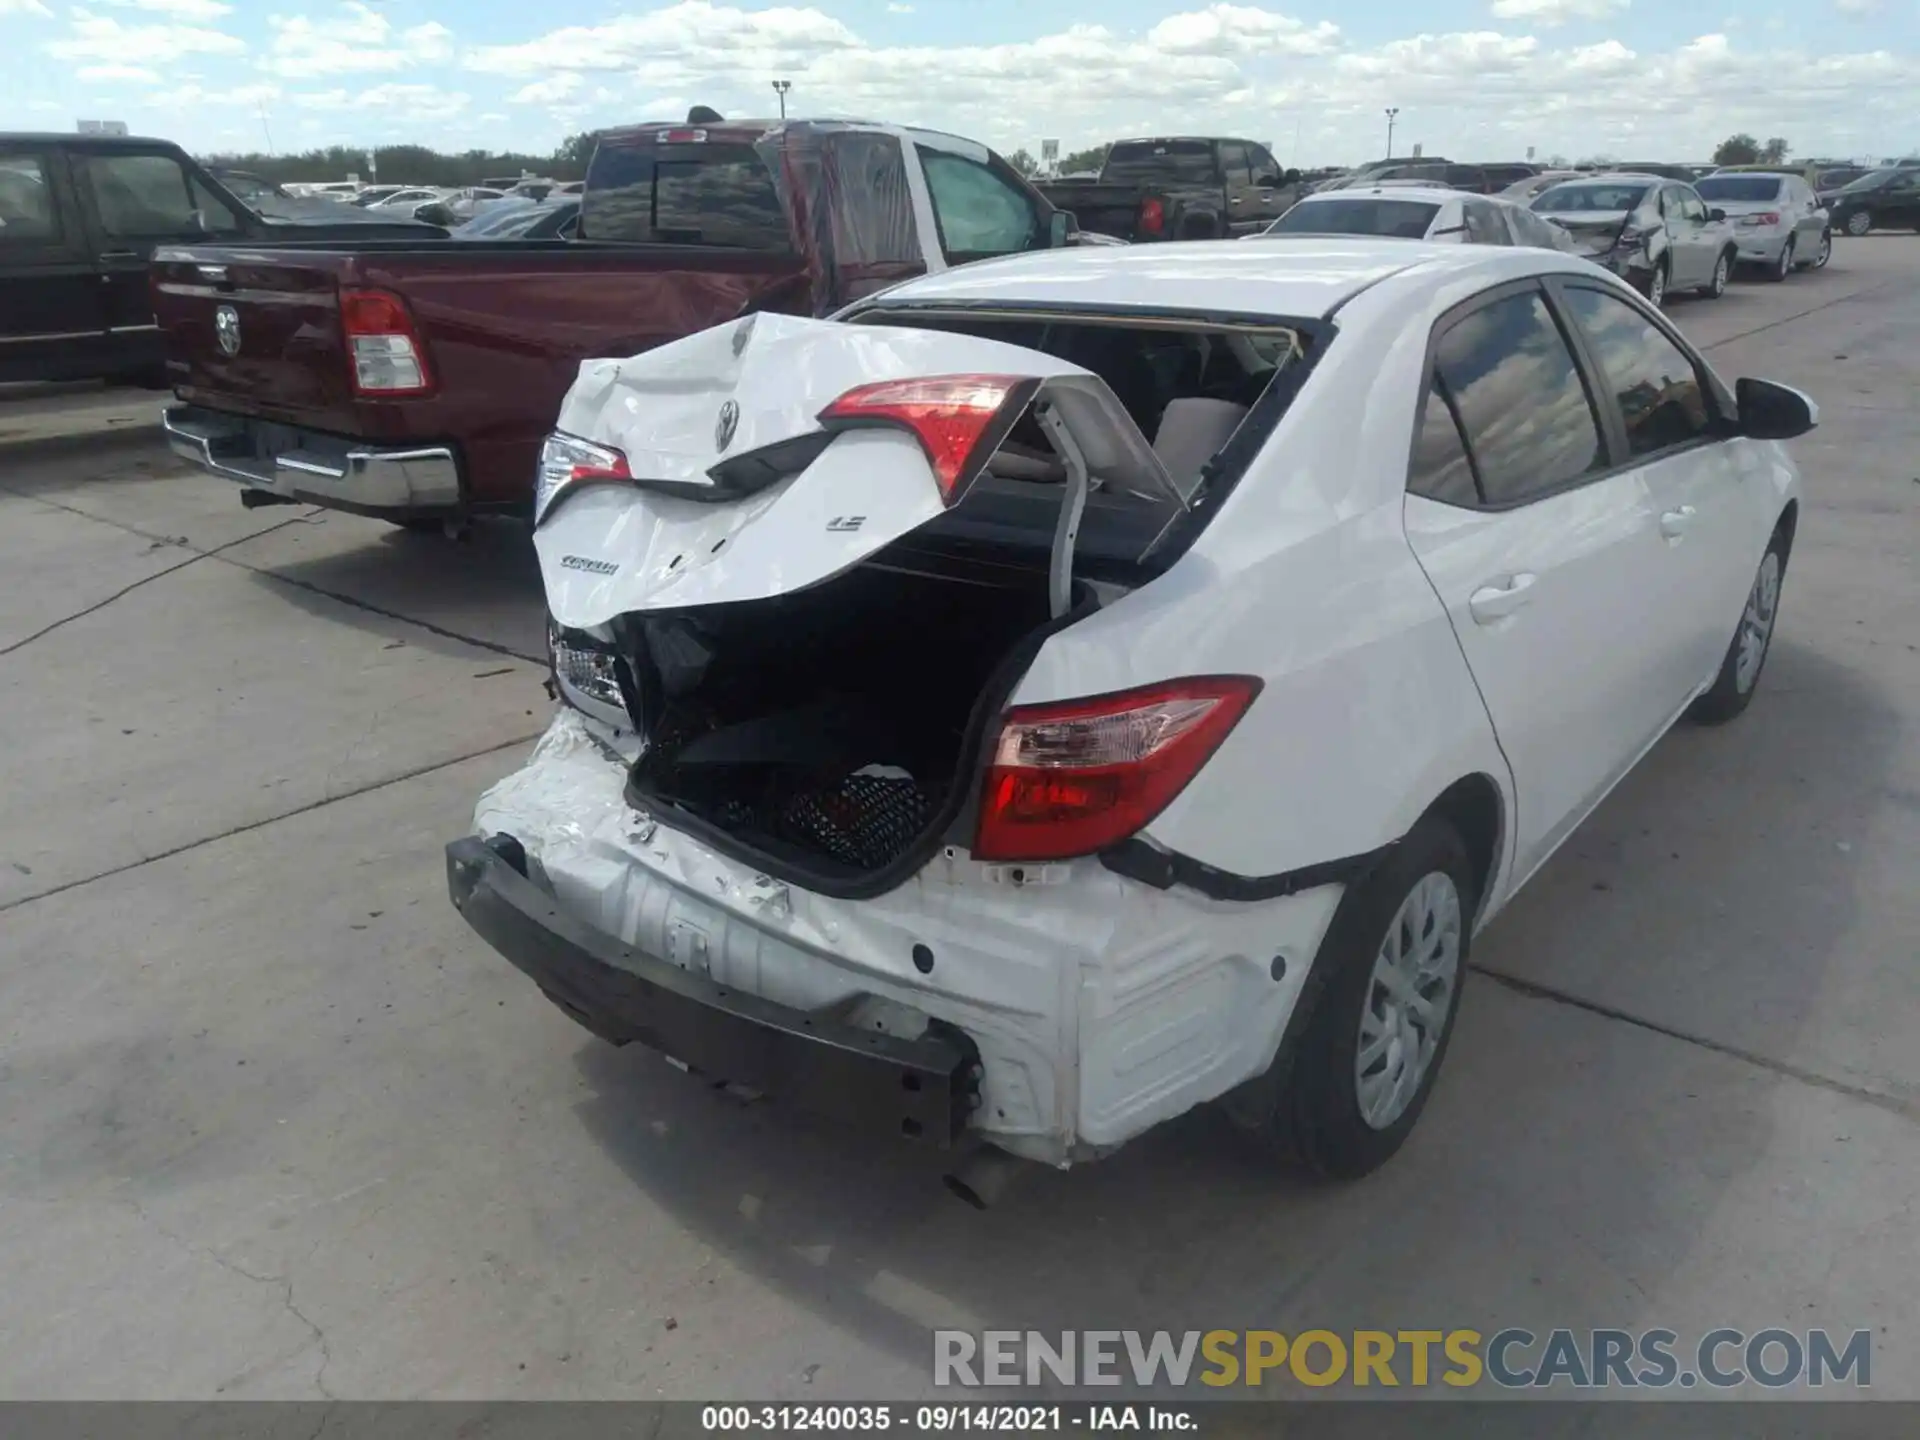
(724, 427)
(226, 329)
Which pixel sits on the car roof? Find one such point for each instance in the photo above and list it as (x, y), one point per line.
(73, 138)
(1282, 275)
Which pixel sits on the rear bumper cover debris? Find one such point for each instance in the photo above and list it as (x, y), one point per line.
(920, 1089)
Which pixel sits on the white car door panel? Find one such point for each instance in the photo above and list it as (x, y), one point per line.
(1540, 597)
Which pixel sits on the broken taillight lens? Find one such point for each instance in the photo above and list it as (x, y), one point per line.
(389, 357)
(1077, 776)
(959, 420)
(566, 461)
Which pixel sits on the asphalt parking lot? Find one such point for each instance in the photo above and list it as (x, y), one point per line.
(278, 1125)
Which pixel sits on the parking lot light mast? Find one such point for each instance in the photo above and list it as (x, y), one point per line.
(1392, 112)
(780, 88)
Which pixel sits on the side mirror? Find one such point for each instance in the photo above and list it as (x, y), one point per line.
(1292, 177)
(1060, 225)
(1716, 215)
(1769, 411)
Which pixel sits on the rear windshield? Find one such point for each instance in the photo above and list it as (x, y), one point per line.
(693, 194)
(1186, 161)
(1739, 187)
(1565, 199)
(1402, 219)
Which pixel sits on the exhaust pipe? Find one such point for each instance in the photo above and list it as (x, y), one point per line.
(983, 1177)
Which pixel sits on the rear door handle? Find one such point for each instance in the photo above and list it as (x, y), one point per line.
(1495, 602)
(1674, 523)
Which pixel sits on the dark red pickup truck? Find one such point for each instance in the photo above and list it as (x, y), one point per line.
(415, 381)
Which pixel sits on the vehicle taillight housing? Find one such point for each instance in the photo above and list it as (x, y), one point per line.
(1153, 215)
(566, 462)
(1765, 217)
(389, 358)
(1075, 777)
(959, 420)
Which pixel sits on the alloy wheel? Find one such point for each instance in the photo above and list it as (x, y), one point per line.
(1720, 269)
(1657, 287)
(1409, 1000)
(1824, 253)
(1786, 260)
(1756, 623)
(1859, 223)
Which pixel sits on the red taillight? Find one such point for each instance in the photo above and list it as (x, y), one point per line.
(1153, 215)
(1075, 777)
(959, 420)
(1771, 217)
(388, 355)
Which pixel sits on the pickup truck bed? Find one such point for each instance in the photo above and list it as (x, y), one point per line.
(255, 335)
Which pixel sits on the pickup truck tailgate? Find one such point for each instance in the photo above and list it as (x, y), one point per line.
(257, 329)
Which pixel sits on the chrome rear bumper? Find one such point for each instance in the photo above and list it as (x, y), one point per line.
(312, 468)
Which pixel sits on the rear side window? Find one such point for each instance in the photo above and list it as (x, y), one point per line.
(1484, 225)
(1441, 470)
(1529, 424)
(26, 200)
(1188, 162)
(1656, 384)
(693, 194)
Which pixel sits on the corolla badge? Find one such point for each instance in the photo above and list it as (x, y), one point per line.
(724, 427)
(591, 566)
(226, 329)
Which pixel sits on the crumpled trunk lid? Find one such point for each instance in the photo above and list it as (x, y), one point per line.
(1593, 233)
(740, 493)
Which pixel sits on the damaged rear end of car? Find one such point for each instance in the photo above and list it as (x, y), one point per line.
(793, 825)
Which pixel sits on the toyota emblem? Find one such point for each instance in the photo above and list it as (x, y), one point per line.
(724, 427)
(226, 329)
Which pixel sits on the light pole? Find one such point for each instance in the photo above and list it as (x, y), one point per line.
(1392, 112)
(780, 88)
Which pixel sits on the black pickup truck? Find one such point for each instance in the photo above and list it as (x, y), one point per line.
(80, 216)
(1180, 188)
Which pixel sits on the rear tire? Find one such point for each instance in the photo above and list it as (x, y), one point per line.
(1657, 286)
(1782, 267)
(1859, 223)
(1418, 905)
(1823, 254)
(1732, 689)
(1722, 273)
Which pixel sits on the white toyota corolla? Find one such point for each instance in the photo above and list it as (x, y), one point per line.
(1075, 687)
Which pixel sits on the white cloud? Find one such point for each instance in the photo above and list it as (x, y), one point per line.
(1558, 12)
(1242, 30)
(24, 7)
(135, 74)
(179, 9)
(353, 38)
(423, 104)
(194, 94)
(1859, 9)
(693, 31)
(102, 40)
(898, 9)
(549, 91)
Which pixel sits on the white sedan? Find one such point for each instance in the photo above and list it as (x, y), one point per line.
(1405, 210)
(1076, 687)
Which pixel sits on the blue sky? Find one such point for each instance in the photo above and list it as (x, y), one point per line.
(1472, 78)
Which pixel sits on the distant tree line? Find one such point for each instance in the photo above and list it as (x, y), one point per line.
(413, 164)
(1743, 149)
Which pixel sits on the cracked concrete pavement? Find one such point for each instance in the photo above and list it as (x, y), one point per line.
(278, 1126)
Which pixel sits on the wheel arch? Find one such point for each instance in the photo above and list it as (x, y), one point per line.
(1477, 808)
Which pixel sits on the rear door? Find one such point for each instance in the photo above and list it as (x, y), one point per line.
(1544, 555)
(738, 490)
(138, 200)
(52, 310)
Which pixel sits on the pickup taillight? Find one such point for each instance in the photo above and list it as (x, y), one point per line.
(1153, 215)
(383, 344)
